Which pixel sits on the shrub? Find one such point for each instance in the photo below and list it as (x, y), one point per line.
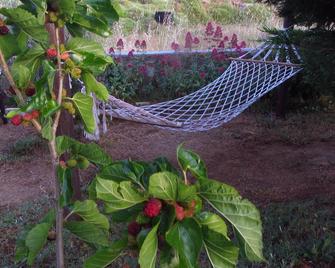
(162, 77)
(226, 14)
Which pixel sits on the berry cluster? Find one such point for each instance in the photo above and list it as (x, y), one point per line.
(18, 119)
(154, 207)
(78, 161)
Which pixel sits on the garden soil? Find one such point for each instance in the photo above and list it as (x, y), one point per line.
(266, 160)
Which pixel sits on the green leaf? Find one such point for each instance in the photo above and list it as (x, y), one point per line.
(95, 64)
(118, 196)
(186, 238)
(46, 131)
(21, 75)
(75, 29)
(64, 177)
(163, 185)
(93, 152)
(84, 105)
(148, 252)
(92, 85)
(221, 252)
(163, 164)
(89, 212)
(213, 222)
(105, 256)
(88, 232)
(9, 46)
(127, 214)
(21, 250)
(27, 22)
(104, 8)
(49, 218)
(91, 23)
(169, 257)
(36, 239)
(192, 162)
(241, 213)
(84, 46)
(32, 57)
(123, 171)
(186, 193)
(67, 8)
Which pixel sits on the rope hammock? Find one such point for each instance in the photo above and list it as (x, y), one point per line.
(246, 80)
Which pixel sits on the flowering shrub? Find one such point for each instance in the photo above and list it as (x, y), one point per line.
(157, 77)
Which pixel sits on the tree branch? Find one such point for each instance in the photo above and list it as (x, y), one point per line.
(55, 163)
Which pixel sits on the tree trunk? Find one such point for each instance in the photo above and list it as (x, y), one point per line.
(282, 93)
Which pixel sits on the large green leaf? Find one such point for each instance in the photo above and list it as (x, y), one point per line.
(64, 178)
(84, 105)
(85, 46)
(93, 152)
(192, 162)
(67, 8)
(164, 185)
(95, 64)
(32, 57)
(213, 222)
(104, 8)
(148, 252)
(186, 193)
(9, 46)
(91, 23)
(36, 7)
(105, 256)
(89, 212)
(118, 196)
(27, 22)
(21, 75)
(123, 171)
(88, 232)
(241, 213)
(35, 240)
(92, 85)
(221, 252)
(186, 238)
(41, 4)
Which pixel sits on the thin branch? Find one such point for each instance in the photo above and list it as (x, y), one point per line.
(60, 81)
(18, 93)
(55, 162)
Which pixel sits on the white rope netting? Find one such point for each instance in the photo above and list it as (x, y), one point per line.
(246, 80)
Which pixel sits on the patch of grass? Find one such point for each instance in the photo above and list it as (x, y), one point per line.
(298, 232)
(22, 148)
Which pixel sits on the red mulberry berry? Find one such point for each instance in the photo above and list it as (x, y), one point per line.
(152, 208)
(35, 114)
(134, 228)
(180, 213)
(52, 53)
(16, 120)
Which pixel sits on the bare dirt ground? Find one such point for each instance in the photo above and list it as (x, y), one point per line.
(266, 160)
